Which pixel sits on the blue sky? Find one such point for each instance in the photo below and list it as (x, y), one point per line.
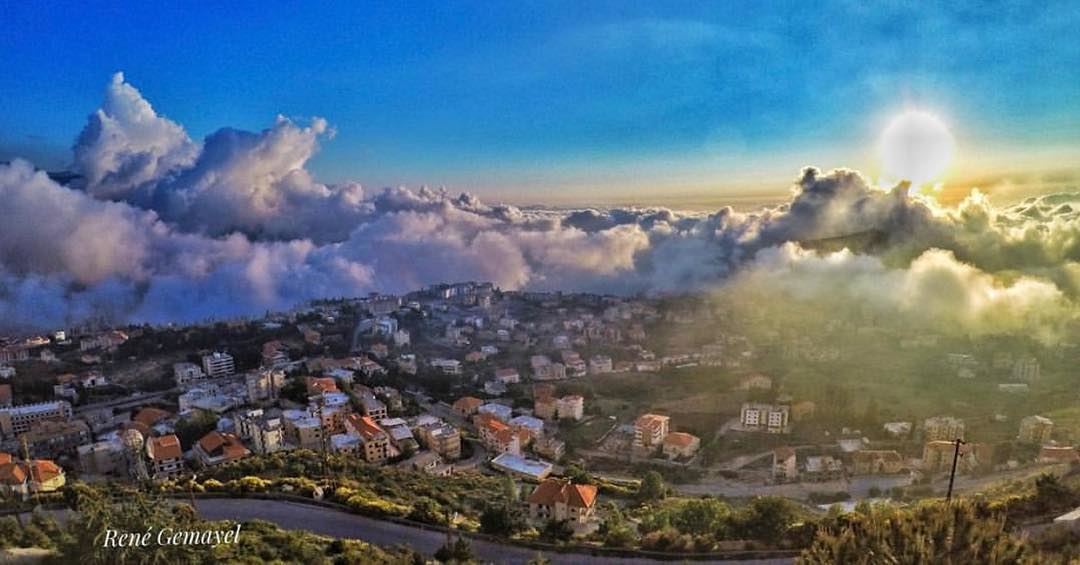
(541, 101)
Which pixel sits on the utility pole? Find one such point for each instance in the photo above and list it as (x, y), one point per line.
(952, 474)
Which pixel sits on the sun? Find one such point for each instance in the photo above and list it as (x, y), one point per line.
(917, 147)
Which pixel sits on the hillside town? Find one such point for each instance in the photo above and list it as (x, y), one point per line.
(467, 378)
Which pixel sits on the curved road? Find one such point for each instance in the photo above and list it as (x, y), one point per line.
(333, 523)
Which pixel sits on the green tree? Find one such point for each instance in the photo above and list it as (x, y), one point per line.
(652, 488)
(457, 551)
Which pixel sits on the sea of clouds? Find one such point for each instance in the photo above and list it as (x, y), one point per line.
(161, 228)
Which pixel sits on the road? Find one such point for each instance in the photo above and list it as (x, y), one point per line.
(334, 523)
(137, 399)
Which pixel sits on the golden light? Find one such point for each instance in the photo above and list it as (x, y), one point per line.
(916, 146)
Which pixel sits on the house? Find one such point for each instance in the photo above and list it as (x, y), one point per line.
(898, 429)
(784, 467)
(600, 364)
(1035, 429)
(877, 462)
(5, 396)
(561, 500)
(570, 407)
(18, 479)
(430, 463)
(507, 376)
(755, 381)
(772, 418)
(166, 456)
(680, 445)
(447, 366)
(650, 430)
(467, 406)
(151, 416)
(319, 385)
(945, 428)
(498, 436)
(216, 448)
(1058, 454)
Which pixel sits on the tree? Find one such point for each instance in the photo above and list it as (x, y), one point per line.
(427, 511)
(702, 516)
(192, 429)
(766, 518)
(652, 487)
(457, 551)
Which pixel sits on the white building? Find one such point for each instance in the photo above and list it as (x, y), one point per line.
(772, 418)
(218, 364)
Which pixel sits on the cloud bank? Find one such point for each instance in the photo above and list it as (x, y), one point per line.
(161, 228)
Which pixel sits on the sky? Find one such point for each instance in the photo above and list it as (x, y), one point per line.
(549, 103)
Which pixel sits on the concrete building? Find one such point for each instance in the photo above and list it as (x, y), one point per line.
(264, 385)
(51, 439)
(262, 433)
(785, 466)
(374, 441)
(218, 364)
(650, 431)
(943, 428)
(19, 419)
(1035, 429)
(772, 418)
(441, 438)
(877, 462)
(184, 373)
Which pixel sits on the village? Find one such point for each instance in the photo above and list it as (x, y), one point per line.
(466, 378)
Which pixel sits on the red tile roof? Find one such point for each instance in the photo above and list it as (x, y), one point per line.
(166, 447)
(12, 474)
(44, 470)
(551, 491)
(680, 439)
(150, 416)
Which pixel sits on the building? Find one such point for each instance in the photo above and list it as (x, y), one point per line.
(755, 381)
(374, 441)
(18, 479)
(650, 431)
(600, 364)
(18, 419)
(877, 462)
(507, 376)
(262, 433)
(401, 436)
(785, 466)
(274, 354)
(218, 364)
(185, 373)
(500, 411)
(54, 438)
(823, 468)
(772, 418)
(680, 445)
(264, 385)
(467, 406)
(944, 428)
(216, 448)
(447, 366)
(1035, 429)
(430, 463)
(1058, 454)
(570, 407)
(1026, 370)
(166, 456)
(105, 457)
(6, 396)
(531, 425)
(550, 447)
(441, 438)
(371, 406)
(522, 467)
(938, 456)
(320, 385)
(561, 500)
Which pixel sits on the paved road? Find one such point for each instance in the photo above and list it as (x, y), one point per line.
(329, 522)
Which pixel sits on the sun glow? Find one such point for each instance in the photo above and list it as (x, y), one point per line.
(916, 146)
